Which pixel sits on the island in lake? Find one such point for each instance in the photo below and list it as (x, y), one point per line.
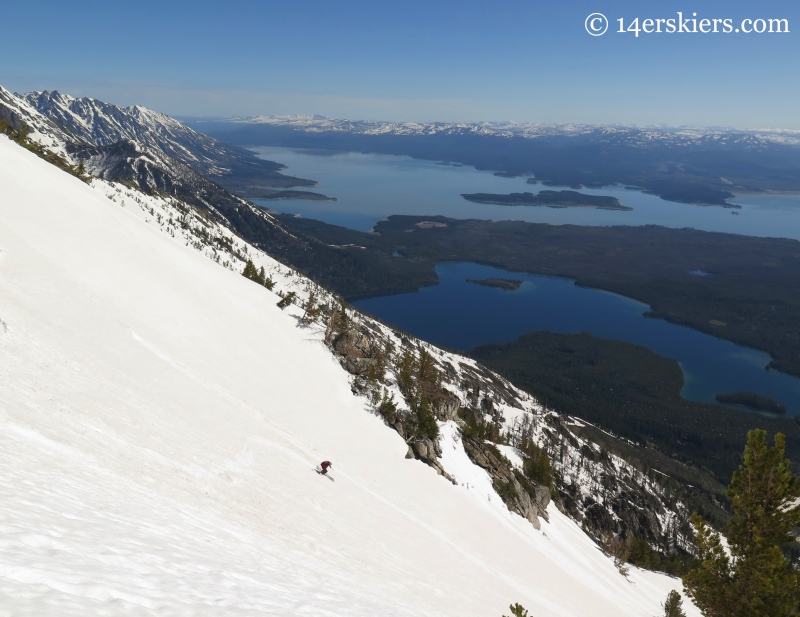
(648, 263)
(506, 284)
(255, 192)
(753, 401)
(550, 199)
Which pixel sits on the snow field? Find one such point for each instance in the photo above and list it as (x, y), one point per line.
(160, 419)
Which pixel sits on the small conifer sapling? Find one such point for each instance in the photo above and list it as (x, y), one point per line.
(517, 610)
(287, 300)
(311, 310)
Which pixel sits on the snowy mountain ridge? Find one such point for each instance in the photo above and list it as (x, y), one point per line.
(87, 122)
(103, 124)
(631, 135)
(17, 112)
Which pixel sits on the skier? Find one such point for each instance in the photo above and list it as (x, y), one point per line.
(325, 465)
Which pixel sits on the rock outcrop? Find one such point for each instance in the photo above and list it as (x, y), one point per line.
(522, 496)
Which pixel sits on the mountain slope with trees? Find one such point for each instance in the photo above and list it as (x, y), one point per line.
(175, 414)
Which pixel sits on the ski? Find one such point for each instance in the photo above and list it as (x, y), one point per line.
(327, 475)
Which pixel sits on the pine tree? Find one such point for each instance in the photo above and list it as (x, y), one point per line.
(80, 172)
(250, 271)
(21, 136)
(387, 407)
(258, 276)
(266, 281)
(310, 308)
(427, 373)
(673, 605)
(418, 380)
(406, 367)
(287, 300)
(517, 610)
(425, 421)
(536, 466)
(755, 581)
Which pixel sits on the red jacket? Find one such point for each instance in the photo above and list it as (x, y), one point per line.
(325, 465)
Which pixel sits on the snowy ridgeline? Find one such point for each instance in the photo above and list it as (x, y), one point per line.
(43, 131)
(161, 418)
(632, 135)
(102, 124)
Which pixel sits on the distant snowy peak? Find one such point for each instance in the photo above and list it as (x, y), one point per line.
(86, 130)
(103, 124)
(630, 135)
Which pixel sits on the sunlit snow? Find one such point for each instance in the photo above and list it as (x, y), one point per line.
(160, 420)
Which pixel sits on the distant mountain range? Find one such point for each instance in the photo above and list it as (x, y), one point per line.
(15, 110)
(632, 135)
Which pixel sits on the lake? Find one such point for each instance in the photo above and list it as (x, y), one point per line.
(370, 187)
(462, 315)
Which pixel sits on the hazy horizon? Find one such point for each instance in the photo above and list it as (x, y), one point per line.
(422, 62)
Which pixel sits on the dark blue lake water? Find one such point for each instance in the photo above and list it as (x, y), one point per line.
(370, 187)
(463, 315)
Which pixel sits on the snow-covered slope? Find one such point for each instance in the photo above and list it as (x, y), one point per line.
(153, 171)
(160, 419)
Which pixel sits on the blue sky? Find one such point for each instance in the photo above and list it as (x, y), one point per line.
(422, 61)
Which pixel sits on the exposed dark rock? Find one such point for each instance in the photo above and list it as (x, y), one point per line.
(529, 500)
(429, 452)
(448, 408)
